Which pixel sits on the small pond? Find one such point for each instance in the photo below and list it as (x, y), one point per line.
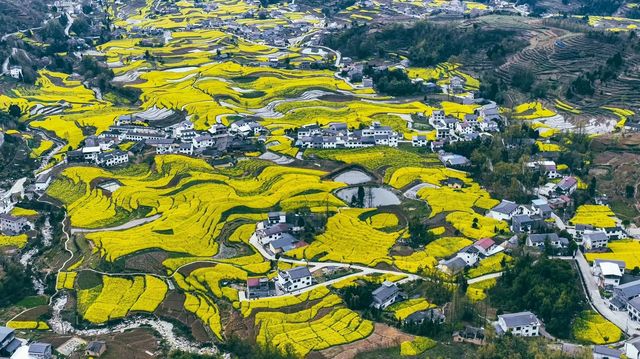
(353, 177)
(374, 196)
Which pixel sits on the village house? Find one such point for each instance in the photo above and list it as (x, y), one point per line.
(14, 225)
(15, 72)
(486, 246)
(539, 239)
(523, 324)
(42, 182)
(633, 309)
(385, 295)
(580, 229)
(260, 288)
(272, 233)
(274, 218)
(294, 279)
(469, 254)
(40, 351)
(541, 208)
(113, 158)
(246, 128)
(524, 223)
(604, 352)
(419, 141)
(452, 266)
(607, 273)
(163, 145)
(434, 315)
(183, 129)
(489, 112)
(8, 342)
(632, 348)
(594, 239)
(96, 348)
(203, 141)
(469, 334)
(504, 211)
(453, 182)
(567, 186)
(456, 84)
(185, 149)
(615, 232)
(285, 243)
(453, 160)
(623, 293)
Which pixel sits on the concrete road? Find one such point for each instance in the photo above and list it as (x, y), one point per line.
(620, 319)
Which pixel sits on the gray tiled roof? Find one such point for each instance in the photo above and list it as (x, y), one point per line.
(278, 228)
(385, 292)
(455, 264)
(298, 272)
(431, 314)
(606, 351)
(5, 333)
(595, 236)
(519, 319)
(629, 290)
(635, 303)
(505, 207)
(39, 348)
(287, 241)
(540, 238)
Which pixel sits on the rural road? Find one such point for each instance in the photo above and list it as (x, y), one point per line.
(620, 319)
(484, 277)
(319, 265)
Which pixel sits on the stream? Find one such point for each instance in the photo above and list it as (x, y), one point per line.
(163, 328)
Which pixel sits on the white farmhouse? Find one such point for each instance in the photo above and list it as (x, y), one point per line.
(523, 324)
(607, 274)
(294, 279)
(504, 211)
(387, 294)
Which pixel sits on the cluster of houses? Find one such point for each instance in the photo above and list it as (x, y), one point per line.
(624, 294)
(536, 223)
(529, 218)
(389, 293)
(338, 135)
(276, 234)
(177, 138)
(537, 220)
(485, 119)
(13, 347)
(18, 348)
(469, 256)
(286, 281)
(9, 224)
(275, 36)
(448, 130)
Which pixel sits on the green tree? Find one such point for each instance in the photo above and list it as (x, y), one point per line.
(15, 111)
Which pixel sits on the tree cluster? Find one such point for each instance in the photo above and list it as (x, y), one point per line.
(394, 82)
(550, 288)
(427, 43)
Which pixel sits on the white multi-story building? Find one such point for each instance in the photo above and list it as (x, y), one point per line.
(607, 274)
(294, 279)
(523, 324)
(594, 239)
(13, 225)
(114, 158)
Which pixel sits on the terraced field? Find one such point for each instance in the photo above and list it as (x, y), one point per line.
(177, 235)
